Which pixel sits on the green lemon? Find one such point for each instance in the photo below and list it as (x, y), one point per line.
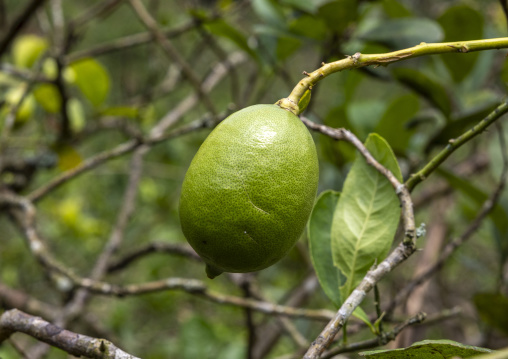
(249, 190)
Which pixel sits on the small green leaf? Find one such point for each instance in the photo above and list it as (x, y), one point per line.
(434, 92)
(460, 124)
(121, 111)
(27, 49)
(393, 125)
(309, 26)
(404, 32)
(428, 349)
(367, 215)
(92, 79)
(452, 21)
(339, 14)
(493, 309)
(48, 97)
(270, 12)
(76, 115)
(304, 101)
(221, 28)
(394, 8)
(360, 314)
(319, 231)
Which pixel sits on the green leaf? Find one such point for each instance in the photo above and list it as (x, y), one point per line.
(367, 215)
(428, 349)
(27, 49)
(76, 115)
(304, 101)
(452, 21)
(339, 14)
(434, 92)
(319, 231)
(302, 5)
(394, 8)
(222, 28)
(393, 125)
(92, 79)
(121, 111)
(48, 97)
(270, 12)
(403, 32)
(461, 124)
(360, 314)
(478, 196)
(493, 309)
(309, 26)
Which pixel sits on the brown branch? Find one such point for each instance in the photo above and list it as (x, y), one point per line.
(379, 341)
(400, 254)
(18, 24)
(400, 189)
(14, 320)
(450, 248)
(127, 42)
(156, 247)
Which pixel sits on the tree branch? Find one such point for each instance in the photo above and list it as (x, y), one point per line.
(14, 320)
(18, 24)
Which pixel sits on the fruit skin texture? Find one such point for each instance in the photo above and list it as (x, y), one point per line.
(249, 190)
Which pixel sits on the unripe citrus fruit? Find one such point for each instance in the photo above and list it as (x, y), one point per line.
(249, 190)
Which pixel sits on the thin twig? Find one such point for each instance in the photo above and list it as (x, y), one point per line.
(454, 144)
(156, 247)
(127, 42)
(14, 320)
(450, 248)
(18, 24)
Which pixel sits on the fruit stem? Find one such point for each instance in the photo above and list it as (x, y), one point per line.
(289, 105)
(212, 271)
(359, 60)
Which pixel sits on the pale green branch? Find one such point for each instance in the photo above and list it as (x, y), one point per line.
(360, 60)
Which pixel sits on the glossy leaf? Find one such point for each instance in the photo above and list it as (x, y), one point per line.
(92, 79)
(493, 309)
(319, 231)
(403, 32)
(452, 21)
(431, 90)
(366, 216)
(393, 126)
(428, 349)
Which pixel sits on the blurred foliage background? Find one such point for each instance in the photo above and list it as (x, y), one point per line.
(116, 83)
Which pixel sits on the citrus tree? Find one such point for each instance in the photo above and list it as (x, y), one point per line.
(368, 132)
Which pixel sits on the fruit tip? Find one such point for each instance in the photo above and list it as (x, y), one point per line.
(212, 271)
